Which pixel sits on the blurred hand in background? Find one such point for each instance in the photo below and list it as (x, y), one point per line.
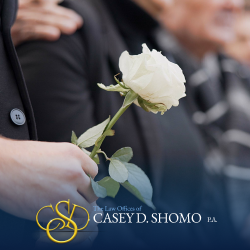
(43, 19)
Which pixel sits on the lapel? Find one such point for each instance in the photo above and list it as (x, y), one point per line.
(8, 11)
(114, 46)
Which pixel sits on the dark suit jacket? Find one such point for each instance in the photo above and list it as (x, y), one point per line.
(61, 78)
(13, 91)
(14, 232)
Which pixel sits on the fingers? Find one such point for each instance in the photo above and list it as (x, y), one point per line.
(90, 232)
(48, 214)
(67, 24)
(48, 1)
(43, 19)
(89, 166)
(76, 175)
(65, 13)
(86, 193)
(47, 8)
(84, 237)
(22, 3)
(38, 32)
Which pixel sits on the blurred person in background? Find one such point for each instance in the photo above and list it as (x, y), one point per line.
(195, 32)
(239, 48)
(63, 76)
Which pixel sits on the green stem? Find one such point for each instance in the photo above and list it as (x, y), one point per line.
(110, 125)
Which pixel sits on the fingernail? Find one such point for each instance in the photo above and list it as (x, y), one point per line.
(79, 21)
(70, 24)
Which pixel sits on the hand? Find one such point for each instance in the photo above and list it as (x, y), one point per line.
(37, 174)
(43, 19)
(83, 239)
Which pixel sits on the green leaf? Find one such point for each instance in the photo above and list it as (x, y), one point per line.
(123, 154)
(137, 194)
(139, 179)
(111, 186)
(89, 138)
(113, 88)
(96, 158)
(132, 190)
(118, 171)
(130, 98)
(74, 138)
(98, 190)
(109, 132)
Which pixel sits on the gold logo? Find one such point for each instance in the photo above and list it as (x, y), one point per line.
(63, 217)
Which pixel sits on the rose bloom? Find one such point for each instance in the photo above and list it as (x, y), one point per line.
(153, 77)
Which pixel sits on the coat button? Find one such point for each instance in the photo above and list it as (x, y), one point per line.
(17, 116)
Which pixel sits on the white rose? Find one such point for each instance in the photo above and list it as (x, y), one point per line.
(154, 78)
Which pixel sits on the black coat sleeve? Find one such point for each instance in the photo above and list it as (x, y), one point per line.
(59, 78)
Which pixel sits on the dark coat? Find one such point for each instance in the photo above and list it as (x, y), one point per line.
(13, 95)
(13, 91)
